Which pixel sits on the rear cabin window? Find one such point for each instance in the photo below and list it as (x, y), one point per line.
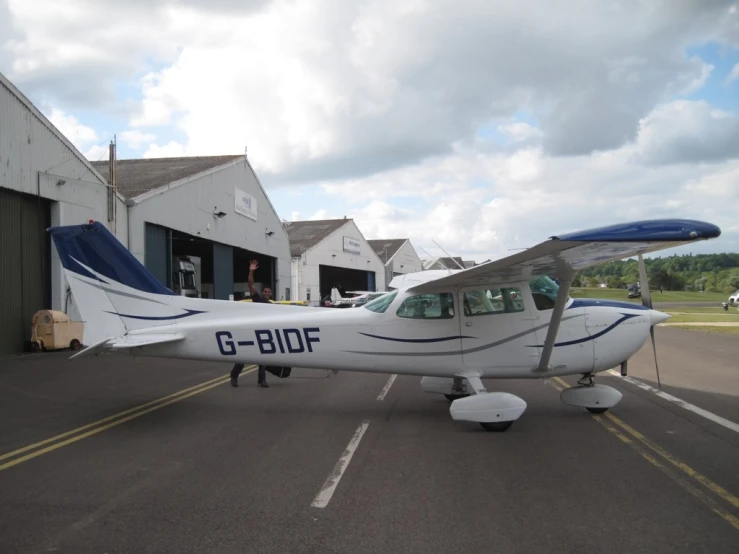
(493, 301)
(428, 306)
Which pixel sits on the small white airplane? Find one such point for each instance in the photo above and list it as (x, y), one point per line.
(505, 319)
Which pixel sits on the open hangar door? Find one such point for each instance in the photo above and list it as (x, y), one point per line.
(220, 269)
(344, 280)
(25, 266)
(264, 276)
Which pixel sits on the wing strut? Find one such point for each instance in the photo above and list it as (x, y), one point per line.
(565, 278)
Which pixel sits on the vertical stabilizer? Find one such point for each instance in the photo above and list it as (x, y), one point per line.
(115, 293)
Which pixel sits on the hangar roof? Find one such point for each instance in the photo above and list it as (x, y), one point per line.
(304, 235)
(137, 177)
(380, 245)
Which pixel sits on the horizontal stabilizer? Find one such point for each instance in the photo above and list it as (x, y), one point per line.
(136, 341)
(93, 350)
(128, 341)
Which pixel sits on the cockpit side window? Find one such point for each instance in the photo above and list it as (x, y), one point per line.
(428, 306)
(544, 291)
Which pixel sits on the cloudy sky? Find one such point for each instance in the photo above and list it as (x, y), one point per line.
(485, 126)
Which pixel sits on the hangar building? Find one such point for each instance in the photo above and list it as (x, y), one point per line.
(211, 211)
(398, 255)
(44, 181)
(331, 253)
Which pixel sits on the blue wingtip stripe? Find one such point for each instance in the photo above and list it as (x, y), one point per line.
(659, 230)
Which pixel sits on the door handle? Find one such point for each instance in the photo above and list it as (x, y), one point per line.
(468, 324)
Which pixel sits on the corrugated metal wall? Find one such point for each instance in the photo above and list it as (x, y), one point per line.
(223, 271)
(24, 266)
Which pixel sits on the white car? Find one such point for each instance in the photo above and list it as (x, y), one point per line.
(734, 299)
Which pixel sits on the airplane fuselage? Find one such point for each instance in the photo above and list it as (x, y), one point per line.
(593, 336)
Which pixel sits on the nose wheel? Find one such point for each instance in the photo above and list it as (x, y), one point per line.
(497, 427)
(596, 399)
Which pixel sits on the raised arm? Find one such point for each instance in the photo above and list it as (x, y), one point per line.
(252, 268)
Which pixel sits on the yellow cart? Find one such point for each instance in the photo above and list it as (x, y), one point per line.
(53, 330)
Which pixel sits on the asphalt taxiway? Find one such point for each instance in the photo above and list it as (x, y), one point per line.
(121, 455)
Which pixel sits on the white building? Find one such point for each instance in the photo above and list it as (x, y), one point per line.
(398, 255)
(331, 253)
(212, 210)
(44, 181)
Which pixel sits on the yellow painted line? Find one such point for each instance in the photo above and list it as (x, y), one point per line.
(703, 480)
(561, 382)
(700, 495)
(138, 411)
(98, 422)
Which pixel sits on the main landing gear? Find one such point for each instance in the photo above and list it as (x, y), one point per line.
(597, 399)
(494, 411)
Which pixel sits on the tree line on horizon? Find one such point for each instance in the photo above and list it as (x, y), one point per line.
(701, 272)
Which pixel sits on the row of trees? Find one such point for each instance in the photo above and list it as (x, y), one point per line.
(706, 272)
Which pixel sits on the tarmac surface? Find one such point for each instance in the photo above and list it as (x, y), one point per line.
(103, 455)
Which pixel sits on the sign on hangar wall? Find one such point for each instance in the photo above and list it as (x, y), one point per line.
(352, 245)
(246, 204)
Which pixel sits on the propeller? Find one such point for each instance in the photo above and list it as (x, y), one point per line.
(646, 300)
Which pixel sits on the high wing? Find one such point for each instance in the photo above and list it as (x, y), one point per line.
(562, 256)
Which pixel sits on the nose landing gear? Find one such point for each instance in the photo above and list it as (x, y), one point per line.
(597, 399)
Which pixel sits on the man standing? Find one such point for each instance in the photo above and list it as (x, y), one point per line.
(266, 296)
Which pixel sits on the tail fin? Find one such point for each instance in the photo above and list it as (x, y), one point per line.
(114, 292)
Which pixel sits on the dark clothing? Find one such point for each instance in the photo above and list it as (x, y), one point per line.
(238, 368)
(256, 297)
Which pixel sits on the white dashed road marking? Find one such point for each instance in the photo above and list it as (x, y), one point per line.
(327, 490)
(385, 390)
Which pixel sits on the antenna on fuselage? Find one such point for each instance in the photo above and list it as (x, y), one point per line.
(447, 253)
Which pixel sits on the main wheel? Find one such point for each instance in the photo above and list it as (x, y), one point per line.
(74, 345)
(498, 426)
(597, 410)
(453, 397)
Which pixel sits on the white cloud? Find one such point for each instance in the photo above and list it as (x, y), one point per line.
(525, 197)
(380, 105)
(97, 153)
(688, 132)
(734, 75)
(321, 214)
(172, 149)
(78, 134)
(328, 90)
(520, 131)
(136, 139)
